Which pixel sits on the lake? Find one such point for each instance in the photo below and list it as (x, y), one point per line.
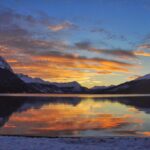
(74, 115)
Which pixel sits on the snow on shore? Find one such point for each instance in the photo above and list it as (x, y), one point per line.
(108, 143)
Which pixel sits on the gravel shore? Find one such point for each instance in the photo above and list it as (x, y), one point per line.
(106, 143)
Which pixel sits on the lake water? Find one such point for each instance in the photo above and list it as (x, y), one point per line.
(75, 115)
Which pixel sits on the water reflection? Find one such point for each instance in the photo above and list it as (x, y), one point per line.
(76, 116)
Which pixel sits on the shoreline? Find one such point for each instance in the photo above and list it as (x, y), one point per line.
(60, 95)
(74, 143)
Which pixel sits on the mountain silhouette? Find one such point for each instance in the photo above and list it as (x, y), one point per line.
(11, 82)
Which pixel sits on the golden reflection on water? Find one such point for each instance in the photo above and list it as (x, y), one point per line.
(86, 115)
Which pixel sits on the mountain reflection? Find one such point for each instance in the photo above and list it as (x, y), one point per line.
(76, 116)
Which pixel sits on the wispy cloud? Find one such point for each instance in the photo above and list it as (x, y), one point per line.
(144, 46)
(143, 50)
(133, 77)
(108, 34)
(113, 52)
(62, 26)
(142, 53)
(8, 15)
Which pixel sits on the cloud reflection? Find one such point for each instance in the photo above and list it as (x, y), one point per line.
(86, 115)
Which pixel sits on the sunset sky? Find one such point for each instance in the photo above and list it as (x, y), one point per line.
(93, 42)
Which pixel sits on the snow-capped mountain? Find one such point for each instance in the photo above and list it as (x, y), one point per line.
(4, 65)
(137, 86)
(9, 81)
(97, 89)
(28, 79)
(68, 87)
(73, 86)
(101, 87)
(145, 77)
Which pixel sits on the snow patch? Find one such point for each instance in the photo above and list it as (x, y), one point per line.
(4, 64)
(75, 86)
(28, 79)
(120, 87)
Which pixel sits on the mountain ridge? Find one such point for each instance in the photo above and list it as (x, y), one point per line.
(137, 86)
(20, 83)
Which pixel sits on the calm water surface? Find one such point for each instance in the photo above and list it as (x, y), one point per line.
(75, 115)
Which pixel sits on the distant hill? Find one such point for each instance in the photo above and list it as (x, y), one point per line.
(137, 86)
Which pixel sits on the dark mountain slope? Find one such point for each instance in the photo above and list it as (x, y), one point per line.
(131, 87)
(10, 83)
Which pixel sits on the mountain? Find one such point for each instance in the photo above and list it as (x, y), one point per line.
(138, 86)
(39, 85)
(4, 65)
(9, 81)
(73, 87)
(52, 87)
(145, 77)
(28, 79)
(96, 89)
(19, 83)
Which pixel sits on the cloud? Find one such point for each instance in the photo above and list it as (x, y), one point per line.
(144, 46)
(120, 53)
(113, 52)
(68, 67)
(143, 50)
(142, 53)
(10, 16)
(32, 53)
(62, 26)
(24, 40)
(108, 34)
(133, 77)
(14, 35)
(105, 72)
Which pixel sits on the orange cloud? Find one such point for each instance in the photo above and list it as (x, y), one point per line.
(144, 46)
(133, 77)
(142, 53)
(66, 68)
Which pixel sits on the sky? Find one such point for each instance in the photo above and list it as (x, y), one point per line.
(96, 43)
